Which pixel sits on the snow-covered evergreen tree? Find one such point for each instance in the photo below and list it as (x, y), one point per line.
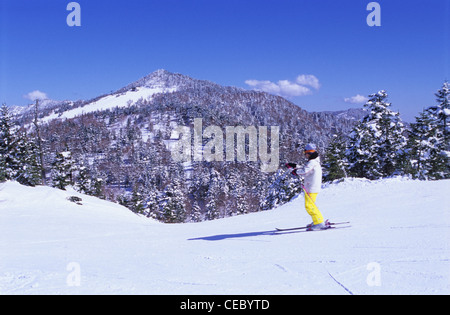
(335, 160)
(83, 182)
(137, 201)
(441, 112)
(28, 168)
(62, 170)
(39, 143)
(429, 141)
(173, 205)
(377, 143)
(361, 152)
(7, 161)
(212, 207)
(283, 189)
(212, 212)
(18, 154)
(241, 198)
(238, 202)
(97, 187)
(152, 203)
(426, 158)
(196, 213)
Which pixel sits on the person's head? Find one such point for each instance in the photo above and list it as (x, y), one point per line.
(311, 151)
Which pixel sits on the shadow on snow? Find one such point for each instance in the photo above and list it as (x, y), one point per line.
(222, 237)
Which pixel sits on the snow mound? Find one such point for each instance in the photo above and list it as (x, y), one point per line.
(46, 201)
(398, 244)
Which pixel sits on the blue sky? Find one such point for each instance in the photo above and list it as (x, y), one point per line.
(320, 54)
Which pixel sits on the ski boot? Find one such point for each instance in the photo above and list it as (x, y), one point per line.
(316, 227)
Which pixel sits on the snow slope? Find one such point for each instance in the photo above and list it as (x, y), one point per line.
(110, 102)
(398, 244)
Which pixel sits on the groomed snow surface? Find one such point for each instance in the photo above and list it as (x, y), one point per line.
(398, 244)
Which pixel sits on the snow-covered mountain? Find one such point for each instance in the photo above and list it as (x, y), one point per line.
(204, 94)
(142, 90)
(398, 244)
(158, 82)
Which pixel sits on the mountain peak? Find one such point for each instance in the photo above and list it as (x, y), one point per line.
(161, 72)
(159, 75)
(159, 79)
(164, 79)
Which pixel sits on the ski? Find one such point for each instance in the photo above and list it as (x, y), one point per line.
(305, 227)
(281, 232)
(292, 229)
(330, 228)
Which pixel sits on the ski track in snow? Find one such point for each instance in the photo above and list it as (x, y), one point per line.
(399, 225)
(343, 286)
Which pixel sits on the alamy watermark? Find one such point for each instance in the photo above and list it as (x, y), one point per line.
(374, 277)
(74, 17)
(73, 279)
(188, 145)
(374, 17)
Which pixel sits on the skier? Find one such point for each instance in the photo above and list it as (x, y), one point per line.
(312, 174)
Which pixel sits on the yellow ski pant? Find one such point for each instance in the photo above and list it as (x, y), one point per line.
(311, 208)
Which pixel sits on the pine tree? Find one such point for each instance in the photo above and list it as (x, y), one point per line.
(238, 202)
(377, 144)
(83, 181)
(212, 212)
(284, 187)
(124, 200)
(39, 143)
(152, 203)
(196, 213)
(3, 172)
(426, 159)
(335, 162)
(7, 140)
(241, 196)
(173, 208)
(215, 189)
(361, 153)
(137, 201)
(441, 113)
(34, 176)
(28, 168)
(97, 188)
(18, 154)
(429, 142)
(62, 169)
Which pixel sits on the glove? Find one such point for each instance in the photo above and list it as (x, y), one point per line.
(291, 165)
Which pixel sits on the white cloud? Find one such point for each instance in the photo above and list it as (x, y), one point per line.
(357, 99)
(287, 88)
(36, 95)
(309, 80)
(265, 86)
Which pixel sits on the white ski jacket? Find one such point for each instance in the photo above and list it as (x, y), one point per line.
(313, 176)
